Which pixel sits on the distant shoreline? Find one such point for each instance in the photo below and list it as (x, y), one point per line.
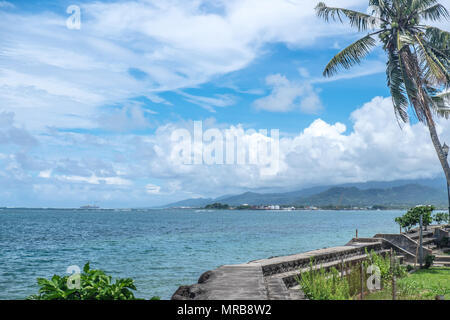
(215, 209)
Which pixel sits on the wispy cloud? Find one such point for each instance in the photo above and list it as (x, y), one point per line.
(289, 95)
(209, 103)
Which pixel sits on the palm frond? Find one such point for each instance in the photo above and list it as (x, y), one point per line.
(382, 7)
(420, 5)
(438, 38)
(434, 13)
(433, 69)
(396, 85)
(359, 20)
(350, 56)
(403, 39)
(409, 75)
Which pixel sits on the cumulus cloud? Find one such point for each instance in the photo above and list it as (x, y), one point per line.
(287, 96)
(135, 170)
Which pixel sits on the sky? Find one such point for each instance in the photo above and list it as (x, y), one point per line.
(87, 115)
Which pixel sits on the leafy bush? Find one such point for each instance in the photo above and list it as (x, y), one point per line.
(384, 264)
(321, 285)
(318, 284)
(441, 217)
(429, 260)
(94, 285)
(412, 217)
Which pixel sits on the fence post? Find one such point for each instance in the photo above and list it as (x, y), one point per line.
(362, 281)
(342, 268)
(421, 242)
(394, 284)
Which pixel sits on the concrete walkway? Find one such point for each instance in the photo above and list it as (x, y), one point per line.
(269, 279)
(232, 282)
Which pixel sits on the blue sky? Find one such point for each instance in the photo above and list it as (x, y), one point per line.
(87, 114)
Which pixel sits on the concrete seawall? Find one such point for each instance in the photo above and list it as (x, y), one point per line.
(276, 278)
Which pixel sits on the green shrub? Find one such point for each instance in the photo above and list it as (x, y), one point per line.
(94, 285)
(429, 260)
(384, 264)
(412, 217)
(317, 284)
(441, 217)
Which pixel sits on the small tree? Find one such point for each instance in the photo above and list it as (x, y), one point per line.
(441, 217)
(412, 217)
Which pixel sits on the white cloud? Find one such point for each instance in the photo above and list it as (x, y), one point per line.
(6, 4)
(366, 68)
(375, 148)
(219, 100)
(45, 174)
(47, 69)
(95, 180)
(152, 189)
(11, 134)
(287, 96)
(69, 168)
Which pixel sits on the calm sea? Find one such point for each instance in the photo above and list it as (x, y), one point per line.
(163, 249)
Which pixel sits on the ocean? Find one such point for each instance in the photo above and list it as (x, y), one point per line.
(163, 249)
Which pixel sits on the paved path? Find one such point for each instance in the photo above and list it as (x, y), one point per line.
(255, 281)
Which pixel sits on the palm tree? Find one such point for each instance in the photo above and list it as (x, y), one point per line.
(418, 57)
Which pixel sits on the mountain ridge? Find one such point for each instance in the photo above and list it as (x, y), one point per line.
(393, 193)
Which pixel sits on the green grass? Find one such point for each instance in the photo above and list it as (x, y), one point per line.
(421, 285)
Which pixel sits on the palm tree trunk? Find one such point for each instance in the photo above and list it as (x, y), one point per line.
(422, 103)
(437, 145)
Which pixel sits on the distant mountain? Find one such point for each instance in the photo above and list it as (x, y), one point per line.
(401, 196)
(395, 193)
(191, 203)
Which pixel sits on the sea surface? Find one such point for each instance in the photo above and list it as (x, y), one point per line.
(163, 249)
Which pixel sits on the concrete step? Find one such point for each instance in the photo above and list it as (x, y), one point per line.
(276, 289)
(442, 264)
(296, 262)
(296, 293)
(416, 235)
(442, 258)
(290, 277)
(428, 241)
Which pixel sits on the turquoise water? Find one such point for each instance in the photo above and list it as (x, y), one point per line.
(163, 249)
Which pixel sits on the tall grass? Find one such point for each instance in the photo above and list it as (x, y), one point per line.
(344, 284)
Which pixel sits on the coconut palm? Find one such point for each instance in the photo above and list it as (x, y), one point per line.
(418, 56)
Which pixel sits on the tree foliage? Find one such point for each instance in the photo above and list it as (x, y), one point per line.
(93, 285)
(412, 217)
(418, 55)
(440, 217)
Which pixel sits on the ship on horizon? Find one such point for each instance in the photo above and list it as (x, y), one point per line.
(89, 207)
